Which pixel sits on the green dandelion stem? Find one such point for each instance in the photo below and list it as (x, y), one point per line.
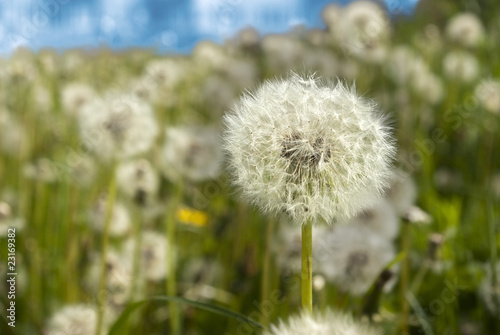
(405, 277)
(266, 271)
(104, 249)
(171, 285)
(137, 253)
(306, 278)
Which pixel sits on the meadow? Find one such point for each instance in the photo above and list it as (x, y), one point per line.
(118, 206)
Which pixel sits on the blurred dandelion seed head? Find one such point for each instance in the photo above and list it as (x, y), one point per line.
(191, 152)
(465, 29)
(73, 319)
(352, 256)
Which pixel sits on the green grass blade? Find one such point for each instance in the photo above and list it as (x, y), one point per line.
(119, 324)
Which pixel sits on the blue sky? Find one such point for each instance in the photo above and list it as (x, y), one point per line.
(168, 25)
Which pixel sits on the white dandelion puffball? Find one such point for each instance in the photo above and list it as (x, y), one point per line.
(331, 15)
(118, 276)
(364, 31)
(76, 95)
(488, 95)
(322, 323)
(202, 270)
(153, 253)
(315, 152)
(120, 223)
(14, 139)
(138, 180)
(77, 319)
(352, 257)
(462, 66)
(118, 127)
(382, 218)
(192, 152)
(465, 29)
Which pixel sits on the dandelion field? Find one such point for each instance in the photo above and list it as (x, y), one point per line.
(114, 176)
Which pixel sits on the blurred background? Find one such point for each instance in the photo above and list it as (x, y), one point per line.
(113, 176)
(171, 25)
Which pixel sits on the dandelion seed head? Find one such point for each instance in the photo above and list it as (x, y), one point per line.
(315, 152)
(138, 180)
(352, 257)
(382, 218)
(118, 276)
(120, 223)
(165, 73)
(153, 253)
(118, 127)
(75, 96)
(465, 29)
(488, 95)
(321, 323)
(13, 135)
(363, 30)
(428, 86)
(77, 319)
(462, 66)
(201, 270)
(83, 170)
(42, 170)
(192, 152)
